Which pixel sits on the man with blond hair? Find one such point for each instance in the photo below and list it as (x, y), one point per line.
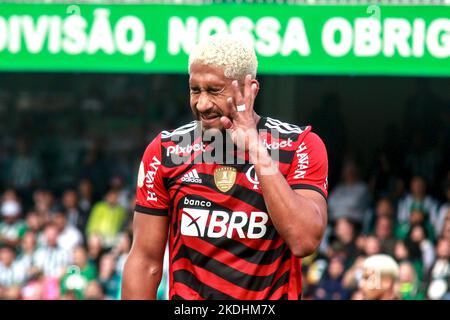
(379, 279)
(240, 197)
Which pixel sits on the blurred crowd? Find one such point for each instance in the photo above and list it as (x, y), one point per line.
(412, 227)
(67, 247)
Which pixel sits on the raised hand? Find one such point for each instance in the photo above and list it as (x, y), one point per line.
(242, 121)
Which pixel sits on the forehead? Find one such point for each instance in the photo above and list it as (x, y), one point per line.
(206, 74)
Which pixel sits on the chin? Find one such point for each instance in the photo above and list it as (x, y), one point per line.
(216, 124)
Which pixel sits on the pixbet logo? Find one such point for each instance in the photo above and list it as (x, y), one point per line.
(194, 223)
(185, 150)
(276, 145)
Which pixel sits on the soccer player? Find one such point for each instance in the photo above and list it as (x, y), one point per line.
(236, 227)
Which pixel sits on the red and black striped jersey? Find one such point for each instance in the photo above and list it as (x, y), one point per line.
(222, 243)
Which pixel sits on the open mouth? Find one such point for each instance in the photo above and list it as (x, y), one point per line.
(209, 117)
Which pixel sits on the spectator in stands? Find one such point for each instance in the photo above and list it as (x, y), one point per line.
(12, 227)
(78, 275)
(443, 212)
(384, 208)
(86, 197)
(43, 203)
(417, 198)
(417, 217)
(109, 278)
(95, 249)
(50, 259)
(69, 236)
(24, 171)
(106, 219)
(410, 287)
(350, 198)
(384, 231)
(117, 183)
(11, 273)
(372, 246)
(121, 250)
(76, 217)
(34, 222)
(445, 233)
(345, 234)
(379, 277)
(330, 286)
(419, 239)
(439, 275)
(94, 291)
(354, 274)
(27, 251)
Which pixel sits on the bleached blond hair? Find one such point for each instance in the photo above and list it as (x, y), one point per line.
(236, 57)
(382, 264)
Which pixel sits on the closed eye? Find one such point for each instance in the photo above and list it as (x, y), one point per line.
(215, 90)
(195, 90)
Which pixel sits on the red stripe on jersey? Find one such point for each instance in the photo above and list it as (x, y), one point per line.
(223, 285)
(230, 259)
(185, 292)
(280, 292)
(296, 274)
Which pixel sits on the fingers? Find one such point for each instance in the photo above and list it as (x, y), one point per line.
(250, 91)
(247, 88)
(237, 95)
(254, 91)
(232, 107)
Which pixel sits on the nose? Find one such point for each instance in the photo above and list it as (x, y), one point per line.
(203, 103)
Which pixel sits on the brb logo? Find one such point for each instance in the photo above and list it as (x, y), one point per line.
(194, 223)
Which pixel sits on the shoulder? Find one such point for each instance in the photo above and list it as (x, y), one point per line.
(283, 129)
(186, 129)
(294, 132)
(168, 138)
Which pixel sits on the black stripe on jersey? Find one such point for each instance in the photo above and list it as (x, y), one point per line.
(279, 283)
(309, 187)
(249, 254)
(187, 278)
(152, 211)
(284, 156)
(234, 276)
(175, 224)
(170, 181)
(237, 191)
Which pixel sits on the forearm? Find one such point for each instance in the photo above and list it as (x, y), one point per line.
(296, 218)
(141, 278)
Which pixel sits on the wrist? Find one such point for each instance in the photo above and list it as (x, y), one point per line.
(260, 157)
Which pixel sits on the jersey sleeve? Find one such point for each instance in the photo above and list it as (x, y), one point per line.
(151, 194)
(309, 168)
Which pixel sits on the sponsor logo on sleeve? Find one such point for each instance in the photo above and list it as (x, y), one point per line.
(150, 179)
(302, 161)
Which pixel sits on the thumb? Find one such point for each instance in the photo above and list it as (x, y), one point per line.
(226, 122)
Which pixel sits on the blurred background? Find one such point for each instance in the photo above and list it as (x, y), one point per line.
(73, 127)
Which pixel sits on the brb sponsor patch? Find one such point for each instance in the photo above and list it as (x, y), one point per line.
(217, 224)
